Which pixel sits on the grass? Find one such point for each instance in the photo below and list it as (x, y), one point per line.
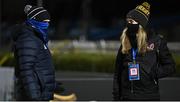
(80, 61)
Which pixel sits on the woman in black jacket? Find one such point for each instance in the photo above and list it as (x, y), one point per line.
(142, 59)
(34, 70)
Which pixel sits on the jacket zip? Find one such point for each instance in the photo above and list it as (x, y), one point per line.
(155, 81)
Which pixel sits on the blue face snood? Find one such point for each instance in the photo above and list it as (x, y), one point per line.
(41, 27)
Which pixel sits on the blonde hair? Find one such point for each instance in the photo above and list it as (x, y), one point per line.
(141, 41)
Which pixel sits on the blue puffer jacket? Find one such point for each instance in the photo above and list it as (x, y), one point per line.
(34, 69)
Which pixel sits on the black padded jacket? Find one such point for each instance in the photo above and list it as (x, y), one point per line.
(34, 69)
(154, 64)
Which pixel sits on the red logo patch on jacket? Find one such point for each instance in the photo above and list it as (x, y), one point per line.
(150, 47)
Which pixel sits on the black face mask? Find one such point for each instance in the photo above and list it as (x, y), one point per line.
(131, 33)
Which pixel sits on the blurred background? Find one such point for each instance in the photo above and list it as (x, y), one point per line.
(84, 40)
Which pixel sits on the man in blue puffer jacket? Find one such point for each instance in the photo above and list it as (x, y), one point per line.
(34, 70)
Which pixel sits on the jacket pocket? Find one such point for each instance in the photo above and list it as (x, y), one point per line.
(40, 80)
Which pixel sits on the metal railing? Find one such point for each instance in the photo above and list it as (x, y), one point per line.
(102, 45)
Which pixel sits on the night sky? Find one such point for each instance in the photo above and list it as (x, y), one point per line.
(12, 10)
(164, 17)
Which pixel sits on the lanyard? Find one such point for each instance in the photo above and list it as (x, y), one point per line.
(134, 53)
